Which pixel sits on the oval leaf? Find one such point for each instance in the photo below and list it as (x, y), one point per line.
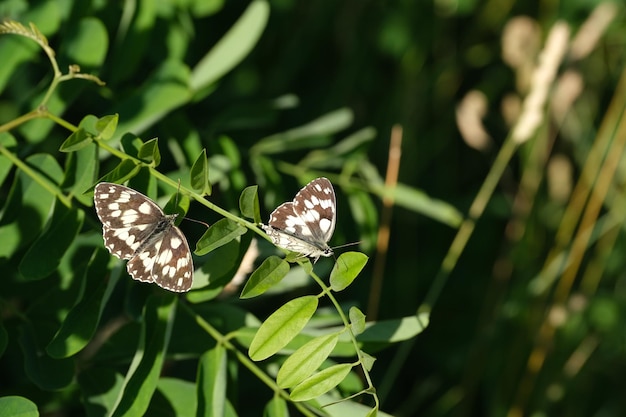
(17, 406)
(282, 326)
(47, 373)
(106, 126)
(211, 383)
(233, 47)
(218, 235)
(321, 382)
(393, 331)
(77, 140)
(357, 320)
(304, 361)
(44, 256)
(270, 273)
(122, 172)
(81, 322)
(146, 366)
(249, 203)
(149, 152)
(346, 269)
(199, 174)
(276, 407)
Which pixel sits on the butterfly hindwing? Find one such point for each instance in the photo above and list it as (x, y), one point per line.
(307, 223)
(135, 228)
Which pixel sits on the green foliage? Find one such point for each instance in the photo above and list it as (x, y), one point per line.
(220, 111)
(50, 235)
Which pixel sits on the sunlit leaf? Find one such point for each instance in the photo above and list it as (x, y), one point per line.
(268, 274)
(320, 383)
(149, 152)
(346, 269)
(220, 233)
(234, 46)
(357, 320)
(212, 381)
(199, 174)
(304, 361)
(249, 203)
(282, 326)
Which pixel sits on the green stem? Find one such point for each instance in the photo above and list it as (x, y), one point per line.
(467, 227)
(243, 359)
(328, 292)
(38, 178)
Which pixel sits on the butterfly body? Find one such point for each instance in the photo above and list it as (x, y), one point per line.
(306, 224)
(135, 228)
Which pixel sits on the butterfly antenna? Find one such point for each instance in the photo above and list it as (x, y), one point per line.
(345, 245)
(187, 218)
(197, 221)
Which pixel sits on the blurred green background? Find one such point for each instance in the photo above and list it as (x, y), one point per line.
(495, 345)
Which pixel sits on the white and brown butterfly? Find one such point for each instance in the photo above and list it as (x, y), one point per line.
(135, 228)
(306, 224)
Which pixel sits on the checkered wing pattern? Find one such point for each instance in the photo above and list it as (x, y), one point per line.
(135, 228)
(306, 224)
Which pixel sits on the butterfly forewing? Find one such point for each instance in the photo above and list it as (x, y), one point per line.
(135, 228)
(307, 223)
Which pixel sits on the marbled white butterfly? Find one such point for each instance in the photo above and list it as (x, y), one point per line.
(307, 223)
(135, 228)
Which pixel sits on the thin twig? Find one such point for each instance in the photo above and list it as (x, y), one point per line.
(382, 244)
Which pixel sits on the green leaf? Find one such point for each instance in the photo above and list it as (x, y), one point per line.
(45, 254)
(131, 144)
(8, 142)
(320, 383)
(106, 126)
(47, 373)
(19, 227)
(234, 46)
(367, 360)
(211, 382)
(357, 320)
(149, 152)
(276, 407)
(100, 388)
(249, 203)
(77, 140)
(314, 134)
(87, 42)
(80, 174)
(14, 406)
(164, 90)
(81, 322)
(282, 326)
(48, 18)
(146, 366)
(124, 171)
(420, 202)
(199, 174)
(304, 361)
(180, 396)
(268, 274)
(335, 156)
(219, 234)
(346, 269)
(392, 331)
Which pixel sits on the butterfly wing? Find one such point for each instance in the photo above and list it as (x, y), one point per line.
(164, 260)
(315, 204)
(306, 224)
(135, 228)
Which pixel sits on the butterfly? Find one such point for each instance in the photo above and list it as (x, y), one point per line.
(135, 228)
(306, 224)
